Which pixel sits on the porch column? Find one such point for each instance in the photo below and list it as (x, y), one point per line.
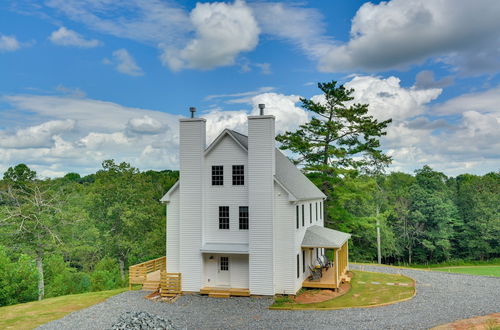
(336, 265)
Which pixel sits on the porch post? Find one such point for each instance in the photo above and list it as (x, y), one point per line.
(336, 265)
(347, 254)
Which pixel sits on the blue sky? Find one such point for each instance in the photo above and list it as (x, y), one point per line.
(83, 81)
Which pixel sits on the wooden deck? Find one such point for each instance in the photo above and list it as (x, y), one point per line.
(225, 292)
(327, 280)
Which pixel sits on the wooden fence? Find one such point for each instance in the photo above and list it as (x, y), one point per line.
(137, 273)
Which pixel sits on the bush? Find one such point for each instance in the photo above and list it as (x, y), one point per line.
(18, 279)
(106, 275)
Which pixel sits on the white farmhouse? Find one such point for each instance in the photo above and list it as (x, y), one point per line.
(242, 219)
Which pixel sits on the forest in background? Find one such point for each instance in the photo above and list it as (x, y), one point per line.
(86, 231)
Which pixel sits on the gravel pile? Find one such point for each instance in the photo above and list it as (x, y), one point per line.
(142, 321)
(441, 298)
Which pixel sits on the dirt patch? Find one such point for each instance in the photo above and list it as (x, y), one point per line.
(491, 321)
(318, 295)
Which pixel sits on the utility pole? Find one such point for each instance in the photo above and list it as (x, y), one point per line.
(379, 254)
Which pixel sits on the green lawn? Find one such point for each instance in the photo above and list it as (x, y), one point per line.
(32, 314)
(361, 294)
(472, 270)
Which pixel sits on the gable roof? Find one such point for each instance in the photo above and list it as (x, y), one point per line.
(167, 196)
(237, 137)
(318, 236)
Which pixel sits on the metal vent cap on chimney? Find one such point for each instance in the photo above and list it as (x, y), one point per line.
(193, 110)
(262, 106)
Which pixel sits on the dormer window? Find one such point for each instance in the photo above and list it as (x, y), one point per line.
(238, 175)
(217, 175)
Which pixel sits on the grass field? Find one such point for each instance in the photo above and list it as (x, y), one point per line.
(32, 314)
(363, 293)
(472, 270)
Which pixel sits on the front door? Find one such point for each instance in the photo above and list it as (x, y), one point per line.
(223, 271)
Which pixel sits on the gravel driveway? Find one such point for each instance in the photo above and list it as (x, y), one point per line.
(441, 298)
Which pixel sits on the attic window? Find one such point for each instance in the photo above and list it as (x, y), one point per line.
(217, 175)
(238, 175)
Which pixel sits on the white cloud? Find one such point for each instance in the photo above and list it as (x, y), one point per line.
(9, 43)
(397, 33)
(243, 97)
(302, 27)
(387, 99)
(487, 101)
(152, 21)
(36, 136)
(66, 37)
(124, 63)
(77, 134)
(144, 125)
(265, 68)
(223, 31)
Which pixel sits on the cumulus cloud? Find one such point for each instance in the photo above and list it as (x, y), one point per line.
(9, 43)
(67, 37)
(36, 136)
(144, 125)
(124, 63)
(223, 31)
(397, 33)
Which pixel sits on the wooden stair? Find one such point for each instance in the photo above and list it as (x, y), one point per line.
(170, 284)
(151, 285)
(225, 293)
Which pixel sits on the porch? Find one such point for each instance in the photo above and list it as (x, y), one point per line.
(335, 273)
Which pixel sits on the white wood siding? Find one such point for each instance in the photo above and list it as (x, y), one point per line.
(284, 243)
(191, 150)
(261, 170)
(173, 233)
(227, 153)
(238, 268)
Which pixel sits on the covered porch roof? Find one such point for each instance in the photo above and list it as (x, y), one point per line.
(228, 248)
(321, 237)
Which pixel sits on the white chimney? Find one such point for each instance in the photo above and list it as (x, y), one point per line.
(192, 140)
(261, 170)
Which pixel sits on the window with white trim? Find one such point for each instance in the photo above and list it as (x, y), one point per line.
(224, 263)
(223, 217)
(238, 175)
(217, 175)
(243, 217)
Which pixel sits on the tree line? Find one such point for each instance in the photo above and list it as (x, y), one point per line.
(76, 234)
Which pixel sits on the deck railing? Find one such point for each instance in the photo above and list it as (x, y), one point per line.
(137, 273)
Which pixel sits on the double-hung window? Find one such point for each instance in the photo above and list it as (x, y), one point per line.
(316, 211)
(238, 175)
(223, 217)
(243, 217)
(217, 175)
(310, 213)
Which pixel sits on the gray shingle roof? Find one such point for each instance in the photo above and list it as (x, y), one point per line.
(238, 248)
(317, 236)
(288, 174)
